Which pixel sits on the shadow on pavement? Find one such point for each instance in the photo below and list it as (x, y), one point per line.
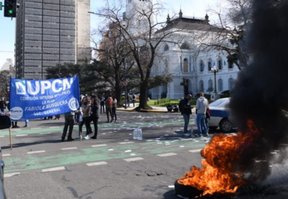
(17, 145)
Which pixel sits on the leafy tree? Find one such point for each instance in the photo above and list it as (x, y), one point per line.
(87, 73)
(4, 79)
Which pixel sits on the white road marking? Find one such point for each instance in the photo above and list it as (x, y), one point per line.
(69, 148)
(195, 150)
(53, 169)
(126, 142)
(35, 152)
(6, 155)
(110, 149)
(133, 159)
(98, 145)
(96, 163)
(128, 151)
(181, 146)
(166, 154)
(21, 135)
(171, 186)
(8, 175)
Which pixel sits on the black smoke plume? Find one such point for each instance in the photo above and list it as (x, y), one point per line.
(261, 91)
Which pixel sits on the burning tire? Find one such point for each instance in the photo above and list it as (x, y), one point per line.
(185, 191)
(189, 192)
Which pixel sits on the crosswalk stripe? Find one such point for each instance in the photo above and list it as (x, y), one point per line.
(133, 159)
(36, 152)
(126, 142)
(166, 154)
(53, 169)
(21, 135)
(96, 163)
(98, 145)
(68, 148)
(8, 175)
(195, 150)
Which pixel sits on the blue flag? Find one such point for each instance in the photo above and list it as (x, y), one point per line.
(31, 99)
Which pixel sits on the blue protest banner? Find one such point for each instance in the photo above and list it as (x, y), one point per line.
(30, 99)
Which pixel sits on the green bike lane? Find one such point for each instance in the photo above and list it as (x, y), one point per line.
(82, 155)
(43, 130)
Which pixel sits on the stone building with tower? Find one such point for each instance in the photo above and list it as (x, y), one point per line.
(193, 66)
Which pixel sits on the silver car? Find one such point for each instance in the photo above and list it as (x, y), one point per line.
(220, 115)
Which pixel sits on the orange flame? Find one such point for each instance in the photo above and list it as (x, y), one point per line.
(219, 172)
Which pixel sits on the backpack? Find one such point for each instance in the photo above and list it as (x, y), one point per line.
(181, 105)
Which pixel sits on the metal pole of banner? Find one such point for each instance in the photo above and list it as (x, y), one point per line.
(10, 138)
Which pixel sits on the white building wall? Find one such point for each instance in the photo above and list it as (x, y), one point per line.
(175, 57)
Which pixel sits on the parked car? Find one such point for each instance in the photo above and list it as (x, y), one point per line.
(220, 115)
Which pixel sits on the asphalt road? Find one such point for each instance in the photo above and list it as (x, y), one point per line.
(112, 167)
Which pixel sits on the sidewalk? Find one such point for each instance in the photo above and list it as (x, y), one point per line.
(155, 109)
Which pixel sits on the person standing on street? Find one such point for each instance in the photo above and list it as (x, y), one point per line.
(69, 123)
(114, 107)
(102, 104)
(185, 109)
(133, 100)
(109, 103)
(201, 109)
(94, 115)
(86, 112)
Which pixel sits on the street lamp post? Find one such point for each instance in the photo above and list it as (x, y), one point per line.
(214, 69)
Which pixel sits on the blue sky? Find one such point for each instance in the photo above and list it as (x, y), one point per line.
(190, 8)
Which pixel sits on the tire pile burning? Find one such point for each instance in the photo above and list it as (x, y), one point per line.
(259, 105)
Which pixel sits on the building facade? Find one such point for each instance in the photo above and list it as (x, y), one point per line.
(193, 66)
(49, 33)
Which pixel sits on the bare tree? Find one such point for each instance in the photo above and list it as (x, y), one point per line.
(114, 54)
(231, 34)
(140, 40)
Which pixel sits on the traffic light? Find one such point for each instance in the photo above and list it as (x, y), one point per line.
(10, 8)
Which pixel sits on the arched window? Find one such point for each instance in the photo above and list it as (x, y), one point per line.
(220, 85)
(166, 47)
(185, 65)
(201, 86)
(185, 45)
(210, 85)
(209, 64)
(220, 63)
(231, 83)
(201, 66)
(230, 64)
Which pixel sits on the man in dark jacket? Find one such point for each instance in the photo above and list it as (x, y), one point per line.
(185, 109)
(69, 123)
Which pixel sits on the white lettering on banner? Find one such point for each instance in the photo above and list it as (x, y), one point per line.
(41, 86)
(45, 85)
